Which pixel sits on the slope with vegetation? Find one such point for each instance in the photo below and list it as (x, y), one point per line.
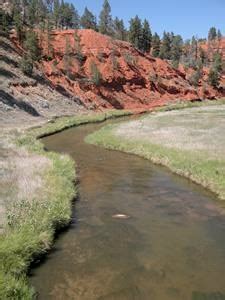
(107, 65)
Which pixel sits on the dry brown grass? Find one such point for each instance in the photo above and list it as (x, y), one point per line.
(193, 129)
(21, 176)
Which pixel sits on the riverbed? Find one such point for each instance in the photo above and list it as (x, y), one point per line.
(169, 244)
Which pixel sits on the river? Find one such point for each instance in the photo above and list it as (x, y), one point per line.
(169, 243)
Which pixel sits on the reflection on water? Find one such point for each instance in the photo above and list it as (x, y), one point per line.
(172, 246)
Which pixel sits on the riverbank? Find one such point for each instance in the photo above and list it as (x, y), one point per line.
(189, 142)
(40, 203)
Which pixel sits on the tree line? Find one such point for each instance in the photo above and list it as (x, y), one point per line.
(57, 14)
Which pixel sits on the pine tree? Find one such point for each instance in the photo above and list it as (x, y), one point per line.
(212, 35)
(88, 20)
(217, 62)
(105, 19)
(4, 22)
(18, 21)
(32, 46)
(135, 32)
(219, 35)
(96, 76)
(32, 12)
(146, 37)
(69, 16)
(155, 45)
(213, 78)
(196, 76)
(203, 56)
(57, 13)
(165, 48)
(176, 49)
(119, 29)
(194, 49)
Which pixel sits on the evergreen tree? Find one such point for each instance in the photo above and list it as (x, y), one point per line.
(96, 76)
(219, 35)
(135, 32)
(119, 29)
(202, 56)
(69, 16)
(17, 20)
(165, 48)
(146, 37)
(88, 20)
(4, 22)
(57, 13)
(176, 49)
(196, 76)
(31, 12)
(212, 35)
(217, 62)
(155, 45)
(213, 78)
(32, 46)
(194, 48)
(105, 19)
(26, 65)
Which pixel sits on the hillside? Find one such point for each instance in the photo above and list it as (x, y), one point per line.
(129, 78)
(64, 82)
(214, 46)
(26, 98)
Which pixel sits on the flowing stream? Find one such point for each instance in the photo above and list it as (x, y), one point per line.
(168, 243)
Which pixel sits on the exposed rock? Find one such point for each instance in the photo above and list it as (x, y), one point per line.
(129, 78)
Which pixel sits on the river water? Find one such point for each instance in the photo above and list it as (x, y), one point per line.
(171, 246)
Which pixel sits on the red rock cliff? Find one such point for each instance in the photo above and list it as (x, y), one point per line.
(129, 78)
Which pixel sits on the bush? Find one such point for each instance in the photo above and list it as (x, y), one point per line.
(32, 46)
(4, 23)
(130, 59)
(96, 76)
(195, 77)
(175, 64)
(214, 78)
(26, 65)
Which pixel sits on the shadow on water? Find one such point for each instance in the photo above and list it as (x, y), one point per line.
(171, 246)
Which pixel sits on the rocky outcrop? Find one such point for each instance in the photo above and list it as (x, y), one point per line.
(126, 78)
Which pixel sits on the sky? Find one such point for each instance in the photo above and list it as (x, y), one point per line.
(185, 17)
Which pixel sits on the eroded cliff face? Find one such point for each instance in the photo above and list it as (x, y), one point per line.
(129, 78)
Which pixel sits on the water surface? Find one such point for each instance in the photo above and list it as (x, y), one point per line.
(171, 247)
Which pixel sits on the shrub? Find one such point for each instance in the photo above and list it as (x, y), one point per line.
(130, 59)
(32, 46)
(115, 63)
(175, 64)
(213, 78)
(195, 77)
(26, 65)
(96, 76)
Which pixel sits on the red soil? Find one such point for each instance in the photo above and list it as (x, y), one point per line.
(130, 79)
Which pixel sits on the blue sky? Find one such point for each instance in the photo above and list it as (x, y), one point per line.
(185, 17)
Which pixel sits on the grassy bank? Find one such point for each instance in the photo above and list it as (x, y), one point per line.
(32, 223)
(189, 142)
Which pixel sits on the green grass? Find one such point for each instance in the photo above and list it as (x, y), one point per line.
(32, 225)
(199, 166)
(189, 104)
